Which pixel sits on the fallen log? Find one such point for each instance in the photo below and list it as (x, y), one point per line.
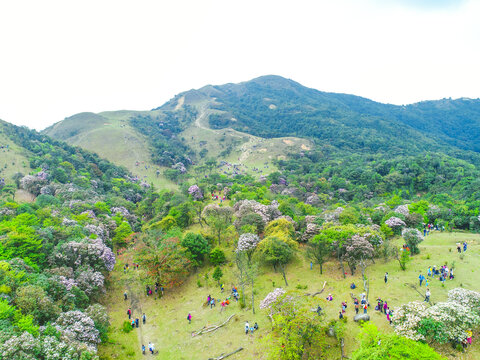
(223, 356)
(207, 329)
(318, 292)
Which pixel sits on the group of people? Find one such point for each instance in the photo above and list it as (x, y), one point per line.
(459, 247)
(151, 348)
(383, 307)
(250, 329)
(149, 290)
(135, 322)
(444, 273)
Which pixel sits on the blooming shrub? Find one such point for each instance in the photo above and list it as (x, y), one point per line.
(195, 192)
(247, 242)
(402, 209)
(454, 317)
(271, 298)
(412, 237)
(395, 222)
(76, 327)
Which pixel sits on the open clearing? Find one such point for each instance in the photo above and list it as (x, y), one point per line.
(169, 330)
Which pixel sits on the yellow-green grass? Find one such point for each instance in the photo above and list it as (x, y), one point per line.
(169, 330)
(110, 135)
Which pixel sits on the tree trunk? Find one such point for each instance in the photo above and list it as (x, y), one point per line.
(321, 268)
(253, 295)
(341, 262)
(284, 276)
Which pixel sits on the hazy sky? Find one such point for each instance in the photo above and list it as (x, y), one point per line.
(62, 57)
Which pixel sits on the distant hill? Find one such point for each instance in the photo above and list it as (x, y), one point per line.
(272, 106)
(257, 122)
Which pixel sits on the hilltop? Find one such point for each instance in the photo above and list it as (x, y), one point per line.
(250, 126)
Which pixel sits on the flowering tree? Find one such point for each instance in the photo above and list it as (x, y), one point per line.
(271, 298)
(77, 327)
(195, 192)
(402, 209)
(89, 252)
(468, 298)
(395, 223)
(444, 321)
(412, 237)
(359, 251)
(247, 243)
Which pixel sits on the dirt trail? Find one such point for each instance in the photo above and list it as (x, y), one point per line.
(137, 301)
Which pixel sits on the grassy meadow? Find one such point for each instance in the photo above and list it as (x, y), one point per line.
(169, 330)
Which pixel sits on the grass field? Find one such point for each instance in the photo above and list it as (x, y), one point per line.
(110, 135)
(169, 330)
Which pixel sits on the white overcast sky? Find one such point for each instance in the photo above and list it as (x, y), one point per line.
(58, 58)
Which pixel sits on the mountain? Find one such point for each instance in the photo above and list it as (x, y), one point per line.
(260, 121)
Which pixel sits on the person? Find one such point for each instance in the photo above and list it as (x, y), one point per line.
(144, 318)
(469, 337)
(143, 349)
(353, 286)
(319, 310)
(424, 232)
(427, 295)
(212, 303)
(329, 297)
(429, 271)
(356, 308)
(311, 265)
(125, 295)
(385, 306)
(344, 306)
(388, 316)
(247, 327)
(222, 287)
(385, 277)
(365, 308)
(129, 313)
(136, 322)
(152, 349)
(459, 249)
(421, 278)
(340, 315)
(255, 326)
(223, 306)
(133, 324)
(451, 274)
(189, 318)
(464, 246)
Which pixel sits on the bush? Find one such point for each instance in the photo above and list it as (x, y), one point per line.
(126, 327)
(217, 257)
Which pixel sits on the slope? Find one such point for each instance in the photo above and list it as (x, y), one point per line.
(110, 135)
(271, 106)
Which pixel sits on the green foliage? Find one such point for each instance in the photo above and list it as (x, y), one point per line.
(318, 250)
(126, 327)
(433, 330)
(297, 332)
(217, 274)
(377, 346)
(122, 232)
(197, 247)
(217, 256)
(277, 253)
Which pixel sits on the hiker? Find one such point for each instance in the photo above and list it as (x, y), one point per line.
(151, 347)
(144, 318)
(212, 303)
(421, 278)
(189, 318)
(143, 349)
(389, 313)
(344, 306)
(147, 290)
(340, 315)
(136, 322)
(464, 246)
(385, 307)
(451, 275)
(129, 313)
(223, 306)
(222, 288)
(459, 249)
(319, 311)
(255, 327)
(427, 295)
(356, 307)
(365, 308)
(133, 324)
(385, 277)
(209, 298)
(329, 297)
(125, 295)
(353, 286)
(247, 327)
(429, 271)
